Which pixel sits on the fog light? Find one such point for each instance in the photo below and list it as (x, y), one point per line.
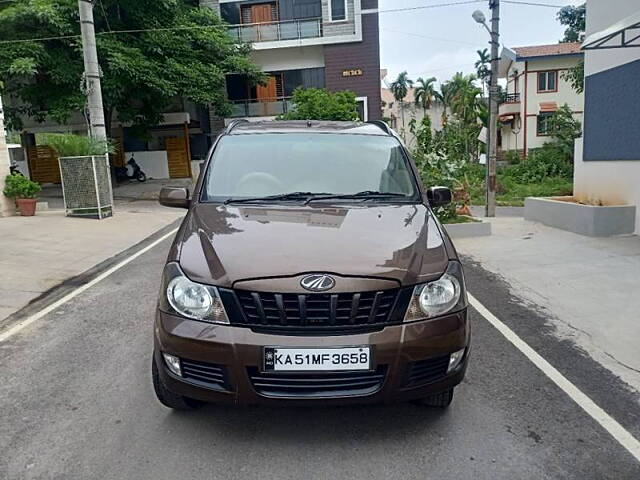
(173, 363)
(454, 359)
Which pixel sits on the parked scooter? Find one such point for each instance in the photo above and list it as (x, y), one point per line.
(122, 173)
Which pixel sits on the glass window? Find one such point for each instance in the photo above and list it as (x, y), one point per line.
(338, 10)
(547, 81)
(257, 165)
(544, 127)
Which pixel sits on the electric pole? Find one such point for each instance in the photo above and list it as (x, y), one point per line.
(490, 209)
(95, 109)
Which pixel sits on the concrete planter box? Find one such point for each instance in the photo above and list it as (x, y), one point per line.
(590, 220)
(471, 229)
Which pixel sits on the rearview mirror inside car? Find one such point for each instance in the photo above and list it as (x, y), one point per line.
(176, 197)
(439, 196)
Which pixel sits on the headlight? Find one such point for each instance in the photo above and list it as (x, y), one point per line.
(190, 299)
(439, 296)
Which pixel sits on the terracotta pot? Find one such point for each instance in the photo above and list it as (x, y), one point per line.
(26, 206)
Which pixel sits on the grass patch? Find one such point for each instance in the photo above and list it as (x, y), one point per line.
(512, 193)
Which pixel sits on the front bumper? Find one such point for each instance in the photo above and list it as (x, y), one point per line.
(238, 351)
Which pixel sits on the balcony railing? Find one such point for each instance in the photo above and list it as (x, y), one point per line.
(274, 31)
(512, 98)
(261, 108)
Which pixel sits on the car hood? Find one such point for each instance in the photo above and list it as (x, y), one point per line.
(222, 245)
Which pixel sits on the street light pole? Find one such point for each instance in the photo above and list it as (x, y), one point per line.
(490, 209)
(95, 109)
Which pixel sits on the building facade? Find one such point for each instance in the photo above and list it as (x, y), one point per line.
(607, 163)
(535, 90)
(332, 44)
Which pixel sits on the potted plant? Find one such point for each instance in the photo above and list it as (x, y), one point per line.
(24, 192)
(85, 174)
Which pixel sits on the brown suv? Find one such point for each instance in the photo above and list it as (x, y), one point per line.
(310, 268)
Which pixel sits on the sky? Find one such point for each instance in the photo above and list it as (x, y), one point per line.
(438, 42)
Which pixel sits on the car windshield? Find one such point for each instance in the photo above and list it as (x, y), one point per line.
(254, 166)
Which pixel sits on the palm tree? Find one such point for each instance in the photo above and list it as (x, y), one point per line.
(400, 89)
(464, 97)
(425, 93)
(482, 67)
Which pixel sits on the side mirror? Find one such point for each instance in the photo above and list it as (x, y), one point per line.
(439, 196)
(176, 197)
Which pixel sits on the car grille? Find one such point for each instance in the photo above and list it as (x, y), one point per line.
(321, 313)
(427, 371)
(315, 385)
(205, 374)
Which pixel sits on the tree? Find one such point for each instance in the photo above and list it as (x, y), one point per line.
(575, 20)
(575, 76)
(320, 104)
(464, 97)
(188, 54)
(425, 93)
(482, 67)
(564, 129)
(400, 89)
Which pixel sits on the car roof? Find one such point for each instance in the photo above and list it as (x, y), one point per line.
(307, 126)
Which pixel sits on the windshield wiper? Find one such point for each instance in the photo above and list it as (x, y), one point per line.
(367, 194)
(281, 196)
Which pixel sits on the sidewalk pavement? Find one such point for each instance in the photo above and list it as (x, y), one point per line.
(40, 252)
(587, 286)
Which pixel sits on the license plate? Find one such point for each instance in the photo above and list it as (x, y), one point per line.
(317, 359)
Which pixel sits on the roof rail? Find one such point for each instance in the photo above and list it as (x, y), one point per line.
(382, 125)
(234, 123)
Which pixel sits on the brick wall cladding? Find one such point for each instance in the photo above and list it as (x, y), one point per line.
(363, 55)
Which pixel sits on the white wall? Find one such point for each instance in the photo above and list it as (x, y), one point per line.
(289, 58)
(602, 14)
(154, 163)
(611, 182)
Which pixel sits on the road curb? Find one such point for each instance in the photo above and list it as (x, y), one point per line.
(56, 292)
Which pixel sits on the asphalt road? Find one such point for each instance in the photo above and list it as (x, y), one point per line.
(76, 402)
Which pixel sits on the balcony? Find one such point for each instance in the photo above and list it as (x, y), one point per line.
(260, 108)
(512, 98)
(277, 31)
(511, 104)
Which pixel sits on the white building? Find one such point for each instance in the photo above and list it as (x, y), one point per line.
(535, 90)
(607, 164)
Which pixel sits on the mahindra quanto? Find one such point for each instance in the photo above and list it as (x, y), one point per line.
(310, 268)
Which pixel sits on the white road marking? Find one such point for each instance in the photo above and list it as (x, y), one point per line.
(38, 315)
(616, 430)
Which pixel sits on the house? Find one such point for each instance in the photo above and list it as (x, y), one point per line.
(535, 89)
(607, 160)
(332, 44)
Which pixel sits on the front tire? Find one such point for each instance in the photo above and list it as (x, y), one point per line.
(438, 400)
(141, 177)
(167, 397)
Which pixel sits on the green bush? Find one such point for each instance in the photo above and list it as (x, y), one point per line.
(512, 157)
(320, 104)
(69, 145)
(19, 186)
(542, 163)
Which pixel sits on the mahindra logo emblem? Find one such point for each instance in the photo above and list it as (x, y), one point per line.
(318, 283)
